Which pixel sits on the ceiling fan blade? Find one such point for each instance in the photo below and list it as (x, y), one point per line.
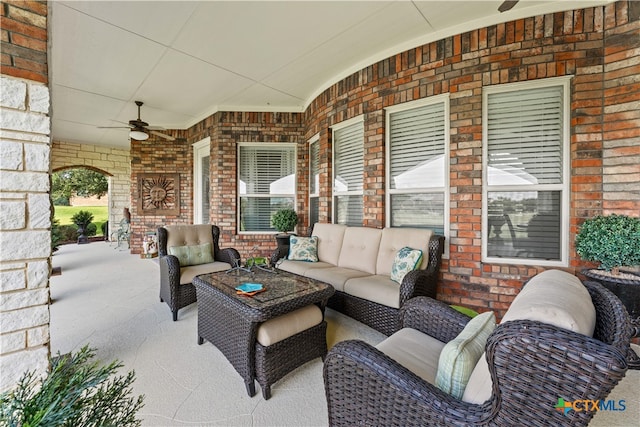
(113, 127)
(507, 5)
(154, 128)
(162, 135)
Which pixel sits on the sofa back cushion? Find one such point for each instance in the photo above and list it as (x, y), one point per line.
(394, 239)
(188, 235)
(330, 237)
(360, 249)
(554, 297)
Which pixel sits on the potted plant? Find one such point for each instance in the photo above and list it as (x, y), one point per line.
(76, 392)
(614, 242)
(284, 220)
(82, 219)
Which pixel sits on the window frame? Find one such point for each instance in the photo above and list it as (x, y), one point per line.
(283, 145)
(201, 149)
(563, 187)
(334, 194)
(445, 188)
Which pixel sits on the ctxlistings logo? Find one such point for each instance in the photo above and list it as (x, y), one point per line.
(589, 405)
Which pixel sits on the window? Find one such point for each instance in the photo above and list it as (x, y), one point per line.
(348, 170)
(266, 183)
(417, 164)
(314, 179)
(526, 172)
(201, 181)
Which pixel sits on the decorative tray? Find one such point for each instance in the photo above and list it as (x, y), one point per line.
(249, 288)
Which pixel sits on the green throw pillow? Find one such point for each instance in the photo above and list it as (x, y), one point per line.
(406, 260)
(460, 355)
(193, 255)
(303, 248)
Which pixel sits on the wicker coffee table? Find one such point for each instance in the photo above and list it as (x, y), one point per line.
(230, 321)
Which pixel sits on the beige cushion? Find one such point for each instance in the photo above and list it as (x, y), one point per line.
(335, 276)
(360, 249)
(330, 238)
(558, 298)
(554, 297)
(460, 355)
(301, 267)
(188, 273)
(380, 289)
(188, 235)
(394, 239)
(415, 351)
(289, 324)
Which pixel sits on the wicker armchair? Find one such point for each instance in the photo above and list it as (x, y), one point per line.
(176, 288)
(532, 364)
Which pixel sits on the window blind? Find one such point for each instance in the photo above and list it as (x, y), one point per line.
(416, 156)
(314, 168)
(524, 132)
(266, 183)
(349, 158)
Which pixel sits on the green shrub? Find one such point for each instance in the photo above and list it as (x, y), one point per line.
(56, 236)
(68, 233)
(91, 230)
(284, 220)
(612, 240)
(77, 392)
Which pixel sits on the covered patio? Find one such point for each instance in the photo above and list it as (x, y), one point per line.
(108, 299)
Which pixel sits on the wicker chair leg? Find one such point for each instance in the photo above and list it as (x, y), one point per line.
(175, 315)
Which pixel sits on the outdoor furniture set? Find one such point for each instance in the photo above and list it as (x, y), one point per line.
(560, 341)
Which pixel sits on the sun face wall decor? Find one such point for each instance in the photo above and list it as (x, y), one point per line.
(159, 194)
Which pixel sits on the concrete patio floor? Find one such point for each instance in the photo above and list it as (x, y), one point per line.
(108, 299)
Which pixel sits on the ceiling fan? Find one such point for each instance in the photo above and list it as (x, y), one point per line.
(507, 5)
(140, 130)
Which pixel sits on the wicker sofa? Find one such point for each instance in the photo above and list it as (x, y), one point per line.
(539, 358)
(357, 262)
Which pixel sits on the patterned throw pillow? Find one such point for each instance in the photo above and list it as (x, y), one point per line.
(303, 248)
(193, 255)
(460, 355)
(406, 260)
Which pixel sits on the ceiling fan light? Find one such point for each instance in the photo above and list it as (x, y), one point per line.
(138, 135)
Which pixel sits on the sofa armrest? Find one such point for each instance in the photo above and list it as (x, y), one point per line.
(169, 276)
(366, 387)
(548, 362)
(228, 255)
(433, 318)
(424, 282)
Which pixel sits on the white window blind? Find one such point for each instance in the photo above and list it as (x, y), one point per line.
(417, 166)
(314, 181)
(416, 139)
(525, 137)
(348, 164)
(525, 194)
(266, 183)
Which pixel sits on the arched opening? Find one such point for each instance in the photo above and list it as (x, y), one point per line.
(80, 188)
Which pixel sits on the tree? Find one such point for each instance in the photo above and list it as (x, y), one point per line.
(81, 182)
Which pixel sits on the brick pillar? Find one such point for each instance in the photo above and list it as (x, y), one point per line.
(25, 208)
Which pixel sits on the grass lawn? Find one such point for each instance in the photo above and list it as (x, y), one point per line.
(64, 214)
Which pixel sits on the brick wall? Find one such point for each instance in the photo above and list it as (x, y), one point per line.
(25, 209)
(113, 162)
(23, 26)
(598, 46)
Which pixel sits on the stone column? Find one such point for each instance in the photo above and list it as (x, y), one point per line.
(25, 228)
